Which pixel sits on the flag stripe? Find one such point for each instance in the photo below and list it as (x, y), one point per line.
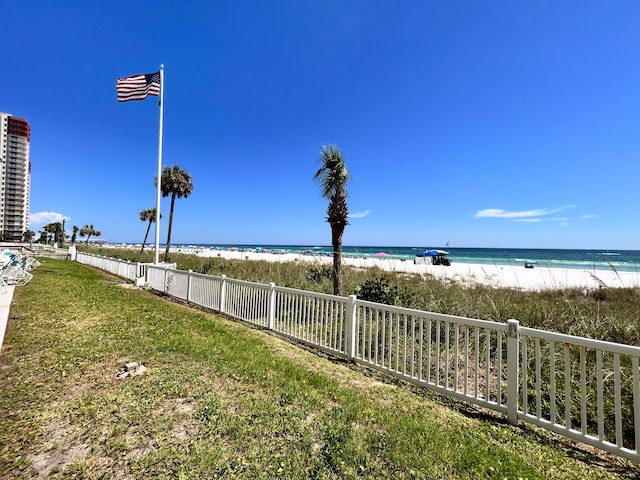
(138, 87)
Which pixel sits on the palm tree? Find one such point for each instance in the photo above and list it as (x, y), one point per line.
(55, 232)
(178, 184)
(148, 215)
(88, 231)
(28, 235)
(45, 230)
(333, 177)
(75, 232)
(58, 234)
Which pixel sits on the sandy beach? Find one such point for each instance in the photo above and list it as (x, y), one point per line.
(508, 276)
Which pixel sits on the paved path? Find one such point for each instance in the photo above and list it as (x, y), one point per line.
(5, 305)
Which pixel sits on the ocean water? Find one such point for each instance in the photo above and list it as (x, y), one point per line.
(620, 260)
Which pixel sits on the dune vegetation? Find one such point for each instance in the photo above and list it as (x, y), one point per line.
(610, 314)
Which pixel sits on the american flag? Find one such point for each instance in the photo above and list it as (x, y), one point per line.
(138, 87)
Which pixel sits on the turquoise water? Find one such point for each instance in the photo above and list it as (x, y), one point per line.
(621, 260)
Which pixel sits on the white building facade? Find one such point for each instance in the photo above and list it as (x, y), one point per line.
(15, 177)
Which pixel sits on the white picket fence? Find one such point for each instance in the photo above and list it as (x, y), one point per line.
(584, 389)
(133, 271)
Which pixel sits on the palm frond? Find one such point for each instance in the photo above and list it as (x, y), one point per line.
(175, 181)
(333, 175)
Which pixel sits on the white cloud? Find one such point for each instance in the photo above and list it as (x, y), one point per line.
(589, 216)
(38, 220)
(499, 213)
(360, 214)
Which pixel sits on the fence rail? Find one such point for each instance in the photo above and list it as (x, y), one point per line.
(121, 268)
(584, 389)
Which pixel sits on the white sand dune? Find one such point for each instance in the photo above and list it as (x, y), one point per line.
(532, 279)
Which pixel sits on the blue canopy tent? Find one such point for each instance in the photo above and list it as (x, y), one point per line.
(432, 253)
(437, 257)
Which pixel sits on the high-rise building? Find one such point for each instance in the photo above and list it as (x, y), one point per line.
(15, 177)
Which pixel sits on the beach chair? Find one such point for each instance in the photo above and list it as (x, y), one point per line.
(15, 273)
(34, 262)
(6, 256)
(30, 261)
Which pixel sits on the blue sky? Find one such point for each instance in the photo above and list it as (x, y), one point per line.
(485, 124)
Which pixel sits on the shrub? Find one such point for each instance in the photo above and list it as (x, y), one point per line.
(319, 273)
(206, 268)
(377, 290)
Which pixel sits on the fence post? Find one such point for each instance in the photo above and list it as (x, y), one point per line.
(223, 291)
(272, 306)
(140, 277)
(513, 356)
(166, 273)
(350, 327)
(189, 284)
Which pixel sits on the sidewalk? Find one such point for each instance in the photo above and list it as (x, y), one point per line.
(5, 305)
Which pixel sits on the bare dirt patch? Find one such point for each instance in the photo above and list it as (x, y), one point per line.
(61, 455)
(180, 430)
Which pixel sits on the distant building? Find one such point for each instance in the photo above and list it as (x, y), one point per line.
(15, 177)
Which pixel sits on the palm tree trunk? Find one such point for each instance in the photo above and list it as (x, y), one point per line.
(336, 242)
(166, 251)
(145, 237)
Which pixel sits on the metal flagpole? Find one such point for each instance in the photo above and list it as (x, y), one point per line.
(159, 165)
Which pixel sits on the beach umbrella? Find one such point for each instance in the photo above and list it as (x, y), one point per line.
(382, 254)
(432, 253)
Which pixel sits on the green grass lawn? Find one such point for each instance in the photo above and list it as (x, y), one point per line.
(221, 400)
